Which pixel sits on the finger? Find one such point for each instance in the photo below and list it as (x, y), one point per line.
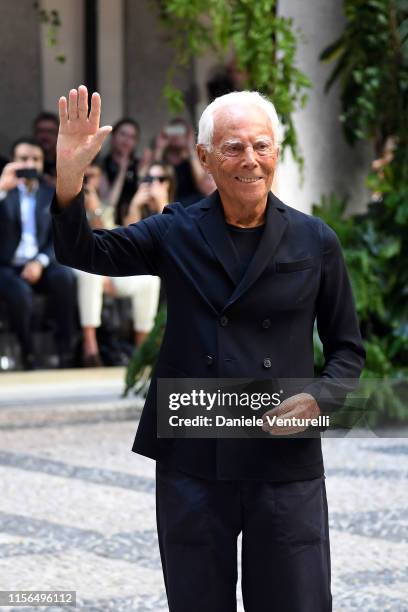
(73, 105)
(82, 102)
(100, 136)
(276, 412)
(286, 406)
(274, 428)
(13, 166)
(95, 114)
(63, 111)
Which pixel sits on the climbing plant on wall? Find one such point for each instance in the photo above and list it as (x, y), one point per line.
(371, 67)
(262, 42)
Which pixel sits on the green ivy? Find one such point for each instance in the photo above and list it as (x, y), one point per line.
(53, 22)
(371, 66)
(264, 45)
(371, 59)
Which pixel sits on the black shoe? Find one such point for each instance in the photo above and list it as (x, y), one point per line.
(92, 361)
(29, 362)
(65, 360)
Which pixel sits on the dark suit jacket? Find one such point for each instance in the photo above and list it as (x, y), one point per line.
(10, 223)
(216, 320)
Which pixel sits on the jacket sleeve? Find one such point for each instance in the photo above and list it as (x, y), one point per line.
(123, 251)
(338, 329)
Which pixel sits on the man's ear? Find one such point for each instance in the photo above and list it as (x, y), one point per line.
(202, 154)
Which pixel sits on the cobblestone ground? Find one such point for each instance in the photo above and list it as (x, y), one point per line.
(77, 509)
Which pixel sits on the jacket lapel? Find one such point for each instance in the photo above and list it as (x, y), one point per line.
(214, 229)
(13, 202)
(39, 214)
(275, 226)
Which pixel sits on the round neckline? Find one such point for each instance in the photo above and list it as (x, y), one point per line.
(245, 229)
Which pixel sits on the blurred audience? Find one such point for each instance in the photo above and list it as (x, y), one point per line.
(27, 261)
(155, 190)
(45, 129)
(175, 145)
(119, 190)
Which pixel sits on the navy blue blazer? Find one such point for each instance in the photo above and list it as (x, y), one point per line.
(10, 223)
(221, 325)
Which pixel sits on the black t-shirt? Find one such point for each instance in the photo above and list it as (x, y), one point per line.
(245, 241)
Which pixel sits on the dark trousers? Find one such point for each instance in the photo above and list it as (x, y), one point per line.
(285, 543)
(58, 283)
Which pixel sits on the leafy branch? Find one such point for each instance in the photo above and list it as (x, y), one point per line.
(263, 44)
(53, 21)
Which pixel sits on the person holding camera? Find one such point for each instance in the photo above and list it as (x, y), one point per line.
(156, 189)
(27, 260)
(175, 146)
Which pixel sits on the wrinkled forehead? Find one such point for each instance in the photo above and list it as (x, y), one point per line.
(241, 121)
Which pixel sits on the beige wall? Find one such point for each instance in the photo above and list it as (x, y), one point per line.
(59, 78)
(148, 57)
(330, 164)
(20, 71)
(111, 49)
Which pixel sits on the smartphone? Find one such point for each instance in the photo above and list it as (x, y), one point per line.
(176, 130)
(27, 173)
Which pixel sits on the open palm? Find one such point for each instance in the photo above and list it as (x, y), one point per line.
(79, 138)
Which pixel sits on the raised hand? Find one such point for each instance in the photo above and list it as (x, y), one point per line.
(79, 140)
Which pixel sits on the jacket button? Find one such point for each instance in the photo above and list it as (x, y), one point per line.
(223, 321)
(267, 363)
(209, 359)
(266, 323)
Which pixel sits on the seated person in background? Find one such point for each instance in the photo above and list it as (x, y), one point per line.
(157, 188)
(155, 191)
(175, 145)
(27, 261)
(45, 129)
(120, 168)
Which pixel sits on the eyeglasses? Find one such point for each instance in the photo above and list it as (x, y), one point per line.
(150, 179)
(235, 148)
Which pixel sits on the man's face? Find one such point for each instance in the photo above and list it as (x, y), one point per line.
(244, 154)
(46, 132)
(30, 156)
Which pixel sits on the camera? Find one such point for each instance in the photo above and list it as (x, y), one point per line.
(176, 130)
(27, 173)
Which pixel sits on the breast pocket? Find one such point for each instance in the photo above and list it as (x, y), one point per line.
(295, 265)
(295, 283)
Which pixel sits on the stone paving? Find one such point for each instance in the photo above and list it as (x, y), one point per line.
(77, 508)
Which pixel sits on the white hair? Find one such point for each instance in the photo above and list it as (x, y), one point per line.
(254, 98)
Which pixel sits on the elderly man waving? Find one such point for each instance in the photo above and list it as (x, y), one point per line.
(246, 276)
